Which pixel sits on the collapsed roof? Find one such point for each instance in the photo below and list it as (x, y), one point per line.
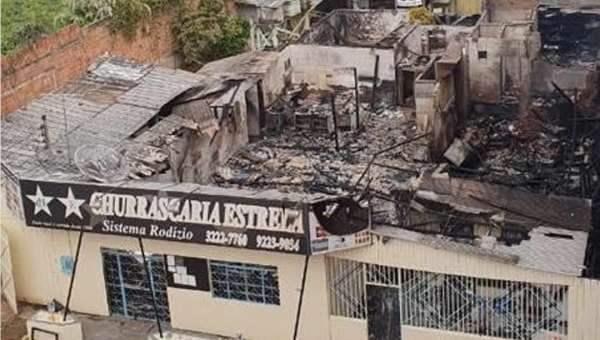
(161, 120)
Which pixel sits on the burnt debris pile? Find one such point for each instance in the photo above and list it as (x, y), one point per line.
(541, 150)
(569, 38)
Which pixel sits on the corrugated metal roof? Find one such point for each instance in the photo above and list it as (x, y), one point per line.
(114, 100)
(519, 205)
(543, 251)
(250, 63)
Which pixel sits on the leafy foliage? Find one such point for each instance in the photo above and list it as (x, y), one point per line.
(208, 33)
(25, 35)
(124, 15)
(24, 21)
(127, 14)
(421, 16)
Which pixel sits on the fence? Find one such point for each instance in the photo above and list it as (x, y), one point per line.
(505, 309)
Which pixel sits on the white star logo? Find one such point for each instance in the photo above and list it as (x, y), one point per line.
(72, 204)
(40, 201)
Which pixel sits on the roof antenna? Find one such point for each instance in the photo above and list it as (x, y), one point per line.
(66, 129)
(45, 134)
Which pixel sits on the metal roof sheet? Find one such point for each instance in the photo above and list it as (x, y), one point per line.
(113, 101)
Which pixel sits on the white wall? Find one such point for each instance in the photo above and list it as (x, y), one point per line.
(35, 256)
(36, 252)
(424, 104)
(485, 74)
(418, 333)
(584, 294)
(348, 329)
(305, 58)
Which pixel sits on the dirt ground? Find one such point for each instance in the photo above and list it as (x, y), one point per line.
(13, 326)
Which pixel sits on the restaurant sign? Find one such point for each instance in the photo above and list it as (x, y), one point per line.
(234, 221)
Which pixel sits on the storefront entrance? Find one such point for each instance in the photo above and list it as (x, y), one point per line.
(127, 288)
(383, 312)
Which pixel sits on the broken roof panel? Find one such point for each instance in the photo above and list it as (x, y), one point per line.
(114, 100)
(257, 62)
(544, 251)
(519, 205)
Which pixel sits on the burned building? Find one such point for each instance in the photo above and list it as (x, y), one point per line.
(375, 179)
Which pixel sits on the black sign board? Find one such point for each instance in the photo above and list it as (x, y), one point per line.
(232, 221)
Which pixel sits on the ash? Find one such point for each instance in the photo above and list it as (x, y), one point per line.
(301, 161)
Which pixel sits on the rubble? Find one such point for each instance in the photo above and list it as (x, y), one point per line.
(569, 38)
(304, 161)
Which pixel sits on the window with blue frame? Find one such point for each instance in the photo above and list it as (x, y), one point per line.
(245, 282)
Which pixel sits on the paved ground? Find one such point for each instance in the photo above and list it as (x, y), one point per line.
(13, 326)
(94, 327)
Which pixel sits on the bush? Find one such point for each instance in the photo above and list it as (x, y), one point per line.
(25, 21)
(23, 36)
(124, 15)
(421, 16)
(208, 33)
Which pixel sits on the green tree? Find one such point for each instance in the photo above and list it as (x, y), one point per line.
(208, 33)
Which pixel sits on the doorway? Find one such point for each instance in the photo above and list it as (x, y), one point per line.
(127, 288)
(383, 312)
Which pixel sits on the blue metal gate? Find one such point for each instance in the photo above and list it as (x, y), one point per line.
(127, 288)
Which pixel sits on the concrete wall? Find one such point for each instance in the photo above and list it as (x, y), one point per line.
(322, 32)
(512, 4)
(369, 26)
(565, 78)
(195, 155)
(510, 15)
(35, 254)
(584, 294)
(325, 77)
(277, 77)
(466, 7)
(305, 57)
(425, 104)
(444, 120)
(354, 27)
(508, 63)
(571, 3)
(418, 333)
(485, 73)
(354, 329)
(413, 41)
(65, 55)
(347, 328)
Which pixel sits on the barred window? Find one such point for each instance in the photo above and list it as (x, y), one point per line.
(498, 308)
(245, 282)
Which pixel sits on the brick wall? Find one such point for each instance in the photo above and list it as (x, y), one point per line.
(64, 56)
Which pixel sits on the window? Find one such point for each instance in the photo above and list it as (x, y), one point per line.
(488, 307)
(245, 282)
(482, 55)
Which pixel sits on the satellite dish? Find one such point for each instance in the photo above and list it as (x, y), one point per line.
(101, 163)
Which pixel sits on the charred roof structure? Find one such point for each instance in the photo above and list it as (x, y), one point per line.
(369, 139)
(404, 98)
